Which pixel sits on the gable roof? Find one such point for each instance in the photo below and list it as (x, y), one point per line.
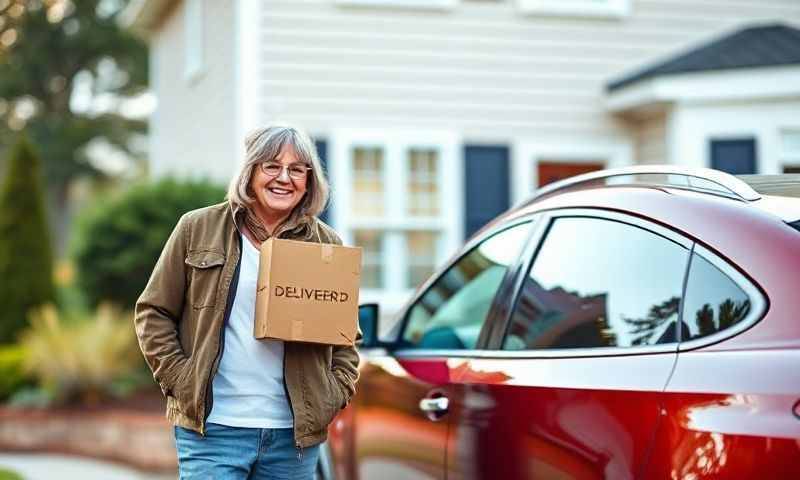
(757, 46)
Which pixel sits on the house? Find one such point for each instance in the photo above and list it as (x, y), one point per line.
(434, 115)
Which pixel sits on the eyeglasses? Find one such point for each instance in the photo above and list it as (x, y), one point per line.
(297, 171)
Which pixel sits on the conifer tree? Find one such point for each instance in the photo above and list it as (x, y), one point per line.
(26, 260)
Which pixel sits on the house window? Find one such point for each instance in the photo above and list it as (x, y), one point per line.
(421, 256)
(400, 202)
(371, 241)
(396, 222)
(790, 151)
(578, 8)
(368, 185)
(193, 39)
(423, 188)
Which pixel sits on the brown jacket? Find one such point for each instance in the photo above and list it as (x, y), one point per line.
(181, 315)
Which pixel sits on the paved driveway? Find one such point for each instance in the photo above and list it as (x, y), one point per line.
(47, 467)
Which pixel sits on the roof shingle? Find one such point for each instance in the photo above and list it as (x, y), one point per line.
(757, 46)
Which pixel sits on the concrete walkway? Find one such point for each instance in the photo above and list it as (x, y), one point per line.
(47, 467)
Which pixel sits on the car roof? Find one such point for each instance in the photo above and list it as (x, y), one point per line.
(740, 229)
(778, 195)
(752, 235)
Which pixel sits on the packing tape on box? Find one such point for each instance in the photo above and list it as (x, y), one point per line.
(297, 329)
(327, 253)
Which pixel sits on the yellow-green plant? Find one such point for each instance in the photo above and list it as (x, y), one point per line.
(79, 357)
(12, 375)
(6, 474)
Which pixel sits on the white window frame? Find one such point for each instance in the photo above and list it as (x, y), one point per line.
(528, 153)
(194, 40)
(395, 220)
(788, 159)
(576, 8)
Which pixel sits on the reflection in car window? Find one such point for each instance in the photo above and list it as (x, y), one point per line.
(451, 313)
(599, 283)
(713, 301)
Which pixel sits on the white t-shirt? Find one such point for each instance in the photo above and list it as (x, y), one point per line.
(248, 387)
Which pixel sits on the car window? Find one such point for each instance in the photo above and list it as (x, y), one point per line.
(599, 283)
(452, 311)
(714, 302)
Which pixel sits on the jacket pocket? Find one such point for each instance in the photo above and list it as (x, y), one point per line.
(333, 399)
(183, 392)
(204, 276)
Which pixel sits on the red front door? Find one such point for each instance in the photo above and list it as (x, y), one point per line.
(550, 172)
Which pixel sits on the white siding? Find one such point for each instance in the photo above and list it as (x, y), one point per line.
(482, 68)
(694, 126)
(192, 131)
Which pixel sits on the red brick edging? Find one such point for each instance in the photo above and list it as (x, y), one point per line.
(138, 439)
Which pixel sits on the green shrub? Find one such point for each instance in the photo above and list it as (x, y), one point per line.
(81, 358)
(26, 261)
(12, 376)
(118, 242)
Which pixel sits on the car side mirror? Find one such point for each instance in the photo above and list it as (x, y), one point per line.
(368, 322)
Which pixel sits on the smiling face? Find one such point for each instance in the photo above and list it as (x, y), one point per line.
(276, 196)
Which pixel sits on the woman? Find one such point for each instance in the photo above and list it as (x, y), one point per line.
(242, 407)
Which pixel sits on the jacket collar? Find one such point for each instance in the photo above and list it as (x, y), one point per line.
(296, 226)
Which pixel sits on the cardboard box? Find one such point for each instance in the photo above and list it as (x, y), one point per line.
(308, 292)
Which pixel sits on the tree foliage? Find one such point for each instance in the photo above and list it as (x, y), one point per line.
(49, 49)
(26, 263)
(118, 242)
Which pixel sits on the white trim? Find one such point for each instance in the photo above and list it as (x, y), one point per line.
(720, 86)
(246, 68)
(788, 158)
(576, 8)
(194, 37)
(527, 153)
(411, 4)
(395, 221)
(154, 123)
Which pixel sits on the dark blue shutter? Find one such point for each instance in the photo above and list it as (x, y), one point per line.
(322, 150)
(486, 186)
(737, 157)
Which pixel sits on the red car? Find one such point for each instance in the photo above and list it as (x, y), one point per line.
(632, 323)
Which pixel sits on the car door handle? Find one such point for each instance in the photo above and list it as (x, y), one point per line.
(434, 405)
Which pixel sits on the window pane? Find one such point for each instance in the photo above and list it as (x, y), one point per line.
(368, 187)
(599, 283)
(451, 313)
(371, 257)
(423, 189)
(713, 301)
(790, 142)
(421, 256)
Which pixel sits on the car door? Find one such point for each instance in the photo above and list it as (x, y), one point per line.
(731, 407)
(401, 412)
(571, 386)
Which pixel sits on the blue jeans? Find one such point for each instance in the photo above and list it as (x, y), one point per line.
(243, 453)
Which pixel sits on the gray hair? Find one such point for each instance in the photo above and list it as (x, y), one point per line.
(264, 145)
